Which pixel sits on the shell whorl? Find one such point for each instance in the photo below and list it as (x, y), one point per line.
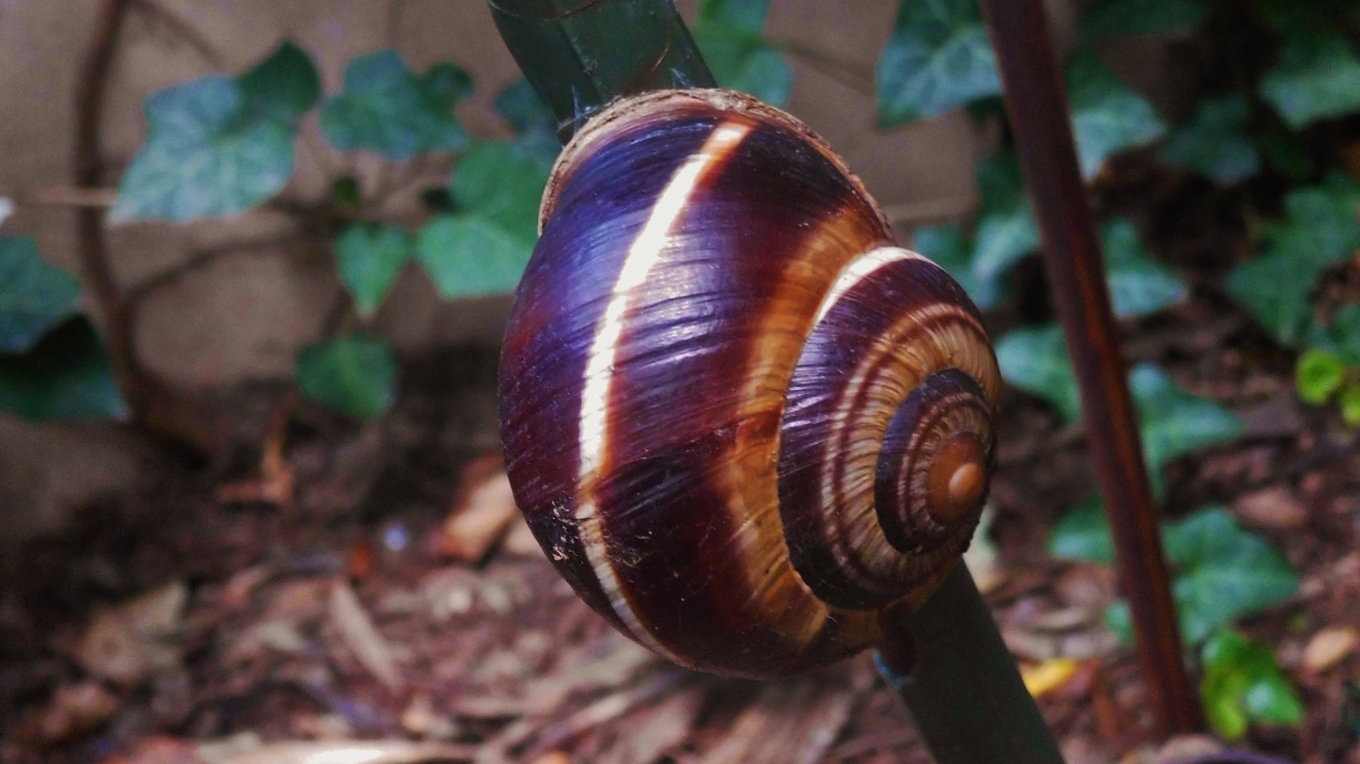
(739, 420)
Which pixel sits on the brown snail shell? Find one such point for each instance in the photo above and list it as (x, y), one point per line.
(739, 419)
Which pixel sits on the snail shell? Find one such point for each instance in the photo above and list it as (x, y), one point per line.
(738, 418)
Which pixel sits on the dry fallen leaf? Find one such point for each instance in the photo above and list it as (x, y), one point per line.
(1329, 647)
(73, 710)
(1273, 508)
(127, 642)
(482, 512)
(362, 637)
(1043, 678)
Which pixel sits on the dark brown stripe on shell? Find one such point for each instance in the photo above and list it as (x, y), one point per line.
(688, 341)
(835, 350)
(554, 321)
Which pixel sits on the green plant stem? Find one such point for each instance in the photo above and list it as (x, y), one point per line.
(581, 54)
(949, 665)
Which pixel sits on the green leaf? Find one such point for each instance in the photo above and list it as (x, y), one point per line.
(468, 256)
(1317, 77)
(286, 84)
(535, 126)
(1243, 684)
(502, 183)
(748, 15)
(369, 257)
(1173, 422)
(729, 36)
(1350, 404)
(1224, 572)
(951, 250)
(1214, 142)
(523, 109)
(937, 59)
(1318, 375)
(34, 296)
(1118, 18)
(742, 61)
(1341, 337)
(1107, 116)
(1083, 534)
(483, 248)
(1138, 284)
(65, 376)
(388, 109)
(1035, 360)
(1006, 230)
(213, 148)
(1319, 230)
(356, 376)
(1221, 572)
(1274, 288)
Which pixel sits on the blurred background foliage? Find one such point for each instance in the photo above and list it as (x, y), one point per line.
(1254, 137)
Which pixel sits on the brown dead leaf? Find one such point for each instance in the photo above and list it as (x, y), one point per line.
(362, 638)
(1274, 508)
(127, 642)
(344, 752)
(482, 512)
(1329, 647)
(72, 711)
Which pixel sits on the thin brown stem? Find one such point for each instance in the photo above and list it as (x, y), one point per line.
(1037, 105)
(151, 401)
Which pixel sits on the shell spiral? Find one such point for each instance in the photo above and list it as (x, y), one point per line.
(738, 418)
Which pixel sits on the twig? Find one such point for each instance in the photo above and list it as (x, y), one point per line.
(183, 30)
(70, 196)
(151, 401)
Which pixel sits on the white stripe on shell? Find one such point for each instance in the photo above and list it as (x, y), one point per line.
(643, 254)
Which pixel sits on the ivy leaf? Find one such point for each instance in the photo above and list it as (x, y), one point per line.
(388, 109)
(1243, 684)
(1118, 18)
(1107, 116)
(1173, 422)
(286, 84)
(951, 250)
(1224, 572)
(469, 256)
(1317, 77)
(34, 296)
(1319, 230)
(1138, 284)
(1318, 375)
(1006, 230)
(66, 375)
(533, 121)
(483, 248)
(937, 59)
(1214, 142)
(729, 36)
(356, 375)
(369, 257)
(1035, 360)
(1083, 534)
(1349, 400)
(1342, 337)
(219, 145)
(1274, 288)
(1221, 572)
